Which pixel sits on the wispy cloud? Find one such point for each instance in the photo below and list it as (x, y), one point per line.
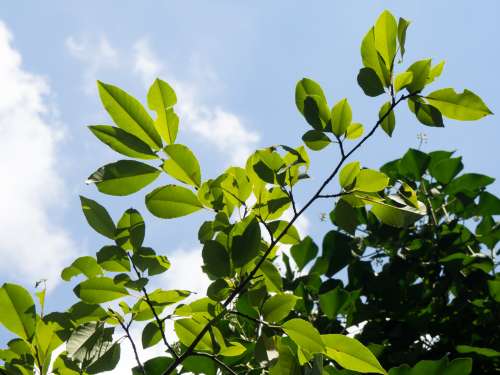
(31, 247)
(96, 54)
(216, 126)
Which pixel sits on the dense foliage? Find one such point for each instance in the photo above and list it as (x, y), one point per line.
(417, 240)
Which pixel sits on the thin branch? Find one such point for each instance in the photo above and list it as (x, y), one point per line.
(216, 360)
(258, 321)
(291, 193)
(190, 349)
(157, 318)
(129, 337)
(333, 195)
(341, 146)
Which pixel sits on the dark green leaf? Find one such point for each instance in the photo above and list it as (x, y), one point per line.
(414, 163)
(304, 252)
(216, 260)
(425, 113)
(316, 140)
(113, 258)
(420, 70)
(387, 118)
(245, 245)
(370, 82)
(123, 142)
(98, 217)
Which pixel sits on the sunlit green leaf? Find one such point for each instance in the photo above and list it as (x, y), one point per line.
(348, 174)
(130, 230)
(113, 258)
(341, 117)
(435, 72)
(17, 310)
(304, 252)
(351, 354)
(99, 290)
(85, 265)
(387, 118)
(420, 71)
(304, 88)
(161, 99)
(123, 177)
(182, 164)
(464, 106)
(354, 131)
(277, 307)
(371, 181)
(291, 236)
(304, 335)
(371, 58)
(402, 27)
(385, 33)
(172, 201)
(129, 114)
(402, 80)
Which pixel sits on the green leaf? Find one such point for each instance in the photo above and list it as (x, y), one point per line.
(333, 301)
(218, 290)
(107, 361)
(468, 182)
(291, 237)
(98, 217)
(459, 366)
(123, 142)
(435, 72)
(151, 335)
(341, 117)
(113, 258)
(354, 130)
(99, 290)
(351, 354)
(385, 33)
(154, 366)
(306, 87)
(494, 289)
(188, 329)
(346, 216)
(316, 112)
(146, 259)
(161, 99)
(402, 80)
(17, 310)
(304, 252)
(123, 177)
(387, 118)
(487, 352)
(348, 174)
(85, 265)
(245, 246)
(420, 70)
(425, 113)
(277, 307)
(172, 201)
(465, 106)
(216, 261)
(402, 27)
(445, 169)
(316, 140)
(129, 114)
(304, 335)
(272, 277)
(182, 165)
(414, 164)
(336, 249)
(130, 230)
(371, 58)
(370, 82)
(397, 216)
(371, 181)
(489, 204)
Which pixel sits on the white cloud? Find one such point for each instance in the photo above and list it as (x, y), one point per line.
(95, 54)
(31, 247)
(218, 127)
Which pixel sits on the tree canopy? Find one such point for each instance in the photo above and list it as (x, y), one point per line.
(416, 240)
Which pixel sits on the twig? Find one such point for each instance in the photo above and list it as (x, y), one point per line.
(129, 337)
(157, 318)
(258, 321)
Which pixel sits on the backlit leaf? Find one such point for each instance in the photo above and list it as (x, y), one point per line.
(172, 201)
(465, 106)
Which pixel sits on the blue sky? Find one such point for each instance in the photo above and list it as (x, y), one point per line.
(234, 65)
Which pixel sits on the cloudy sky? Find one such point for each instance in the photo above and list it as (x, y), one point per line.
(234, 65)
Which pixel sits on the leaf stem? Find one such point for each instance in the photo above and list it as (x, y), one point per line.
(129, 337)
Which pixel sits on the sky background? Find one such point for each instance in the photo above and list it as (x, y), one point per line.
(234, 65)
